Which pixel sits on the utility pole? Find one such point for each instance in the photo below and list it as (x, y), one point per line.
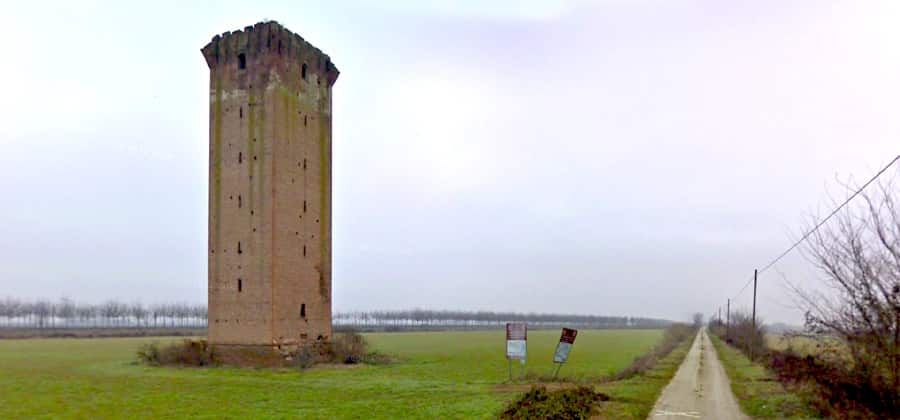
(754, 300)
(752, 337)
(728, 321)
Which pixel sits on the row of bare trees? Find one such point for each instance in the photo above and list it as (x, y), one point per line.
(66, 313)
(424, 319)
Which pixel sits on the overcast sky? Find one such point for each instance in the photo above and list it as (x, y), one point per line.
(610, 157)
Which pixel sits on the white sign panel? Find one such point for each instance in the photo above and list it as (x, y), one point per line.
(562, 352)
(516, 349)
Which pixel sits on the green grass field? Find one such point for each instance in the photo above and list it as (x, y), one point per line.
(436, 375)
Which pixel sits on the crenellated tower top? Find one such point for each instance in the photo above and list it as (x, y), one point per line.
(268, 42)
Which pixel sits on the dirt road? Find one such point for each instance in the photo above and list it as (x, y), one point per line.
(700, 388)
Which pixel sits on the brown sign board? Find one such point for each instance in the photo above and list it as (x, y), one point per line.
(568, 336)
(516, 331)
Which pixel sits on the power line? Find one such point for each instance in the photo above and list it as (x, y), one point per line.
(819, 225)
(743, 288)
(778, 258)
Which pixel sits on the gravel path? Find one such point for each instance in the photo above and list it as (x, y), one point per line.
(700, 388)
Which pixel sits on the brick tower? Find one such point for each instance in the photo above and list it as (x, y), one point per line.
(269, 188)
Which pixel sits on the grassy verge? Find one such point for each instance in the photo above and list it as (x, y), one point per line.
(756, 388)
(633, 398)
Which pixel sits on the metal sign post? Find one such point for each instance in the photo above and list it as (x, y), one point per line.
(516, 343)
(563, 348)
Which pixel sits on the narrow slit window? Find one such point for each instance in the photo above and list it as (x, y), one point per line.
(239, 201)
(304, 250)
(241, 112)
(304, 206)
(302, 310)
(240, 157)
(304, 163)
(242, 61)
(240, 285)
(303, 71)
(239, 248)
(304, 121)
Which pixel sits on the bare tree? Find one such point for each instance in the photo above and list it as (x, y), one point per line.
(16, 309)
(65, 309)
(109, 310)
(138, 312)
(42, 310)
(87, 314)
(859, 256)
(6, 310)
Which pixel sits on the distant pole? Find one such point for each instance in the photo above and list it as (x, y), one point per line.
(720, 314)
(754, 299)
(728, 320)
(753, 332)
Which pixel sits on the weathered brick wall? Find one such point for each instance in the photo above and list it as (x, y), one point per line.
(270, 188)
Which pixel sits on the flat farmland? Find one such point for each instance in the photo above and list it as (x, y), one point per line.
(434, 375)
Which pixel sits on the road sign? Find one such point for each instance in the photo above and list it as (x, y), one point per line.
(565, 345)
(516, 340)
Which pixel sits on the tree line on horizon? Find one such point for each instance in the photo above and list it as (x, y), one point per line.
(66, 313)
(448, 319)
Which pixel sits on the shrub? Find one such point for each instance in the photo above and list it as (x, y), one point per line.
(149, 354)
(305, 357)
(743, 334)
(350, 348)
(346, 348)
(184, 353)
(569, 403)
(841, 389)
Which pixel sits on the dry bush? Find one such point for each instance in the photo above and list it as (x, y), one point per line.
(833, 388)
(568, 403)
(184, 353)
(350, 348)
(305, 357)
(745, 335)
(346, 348)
